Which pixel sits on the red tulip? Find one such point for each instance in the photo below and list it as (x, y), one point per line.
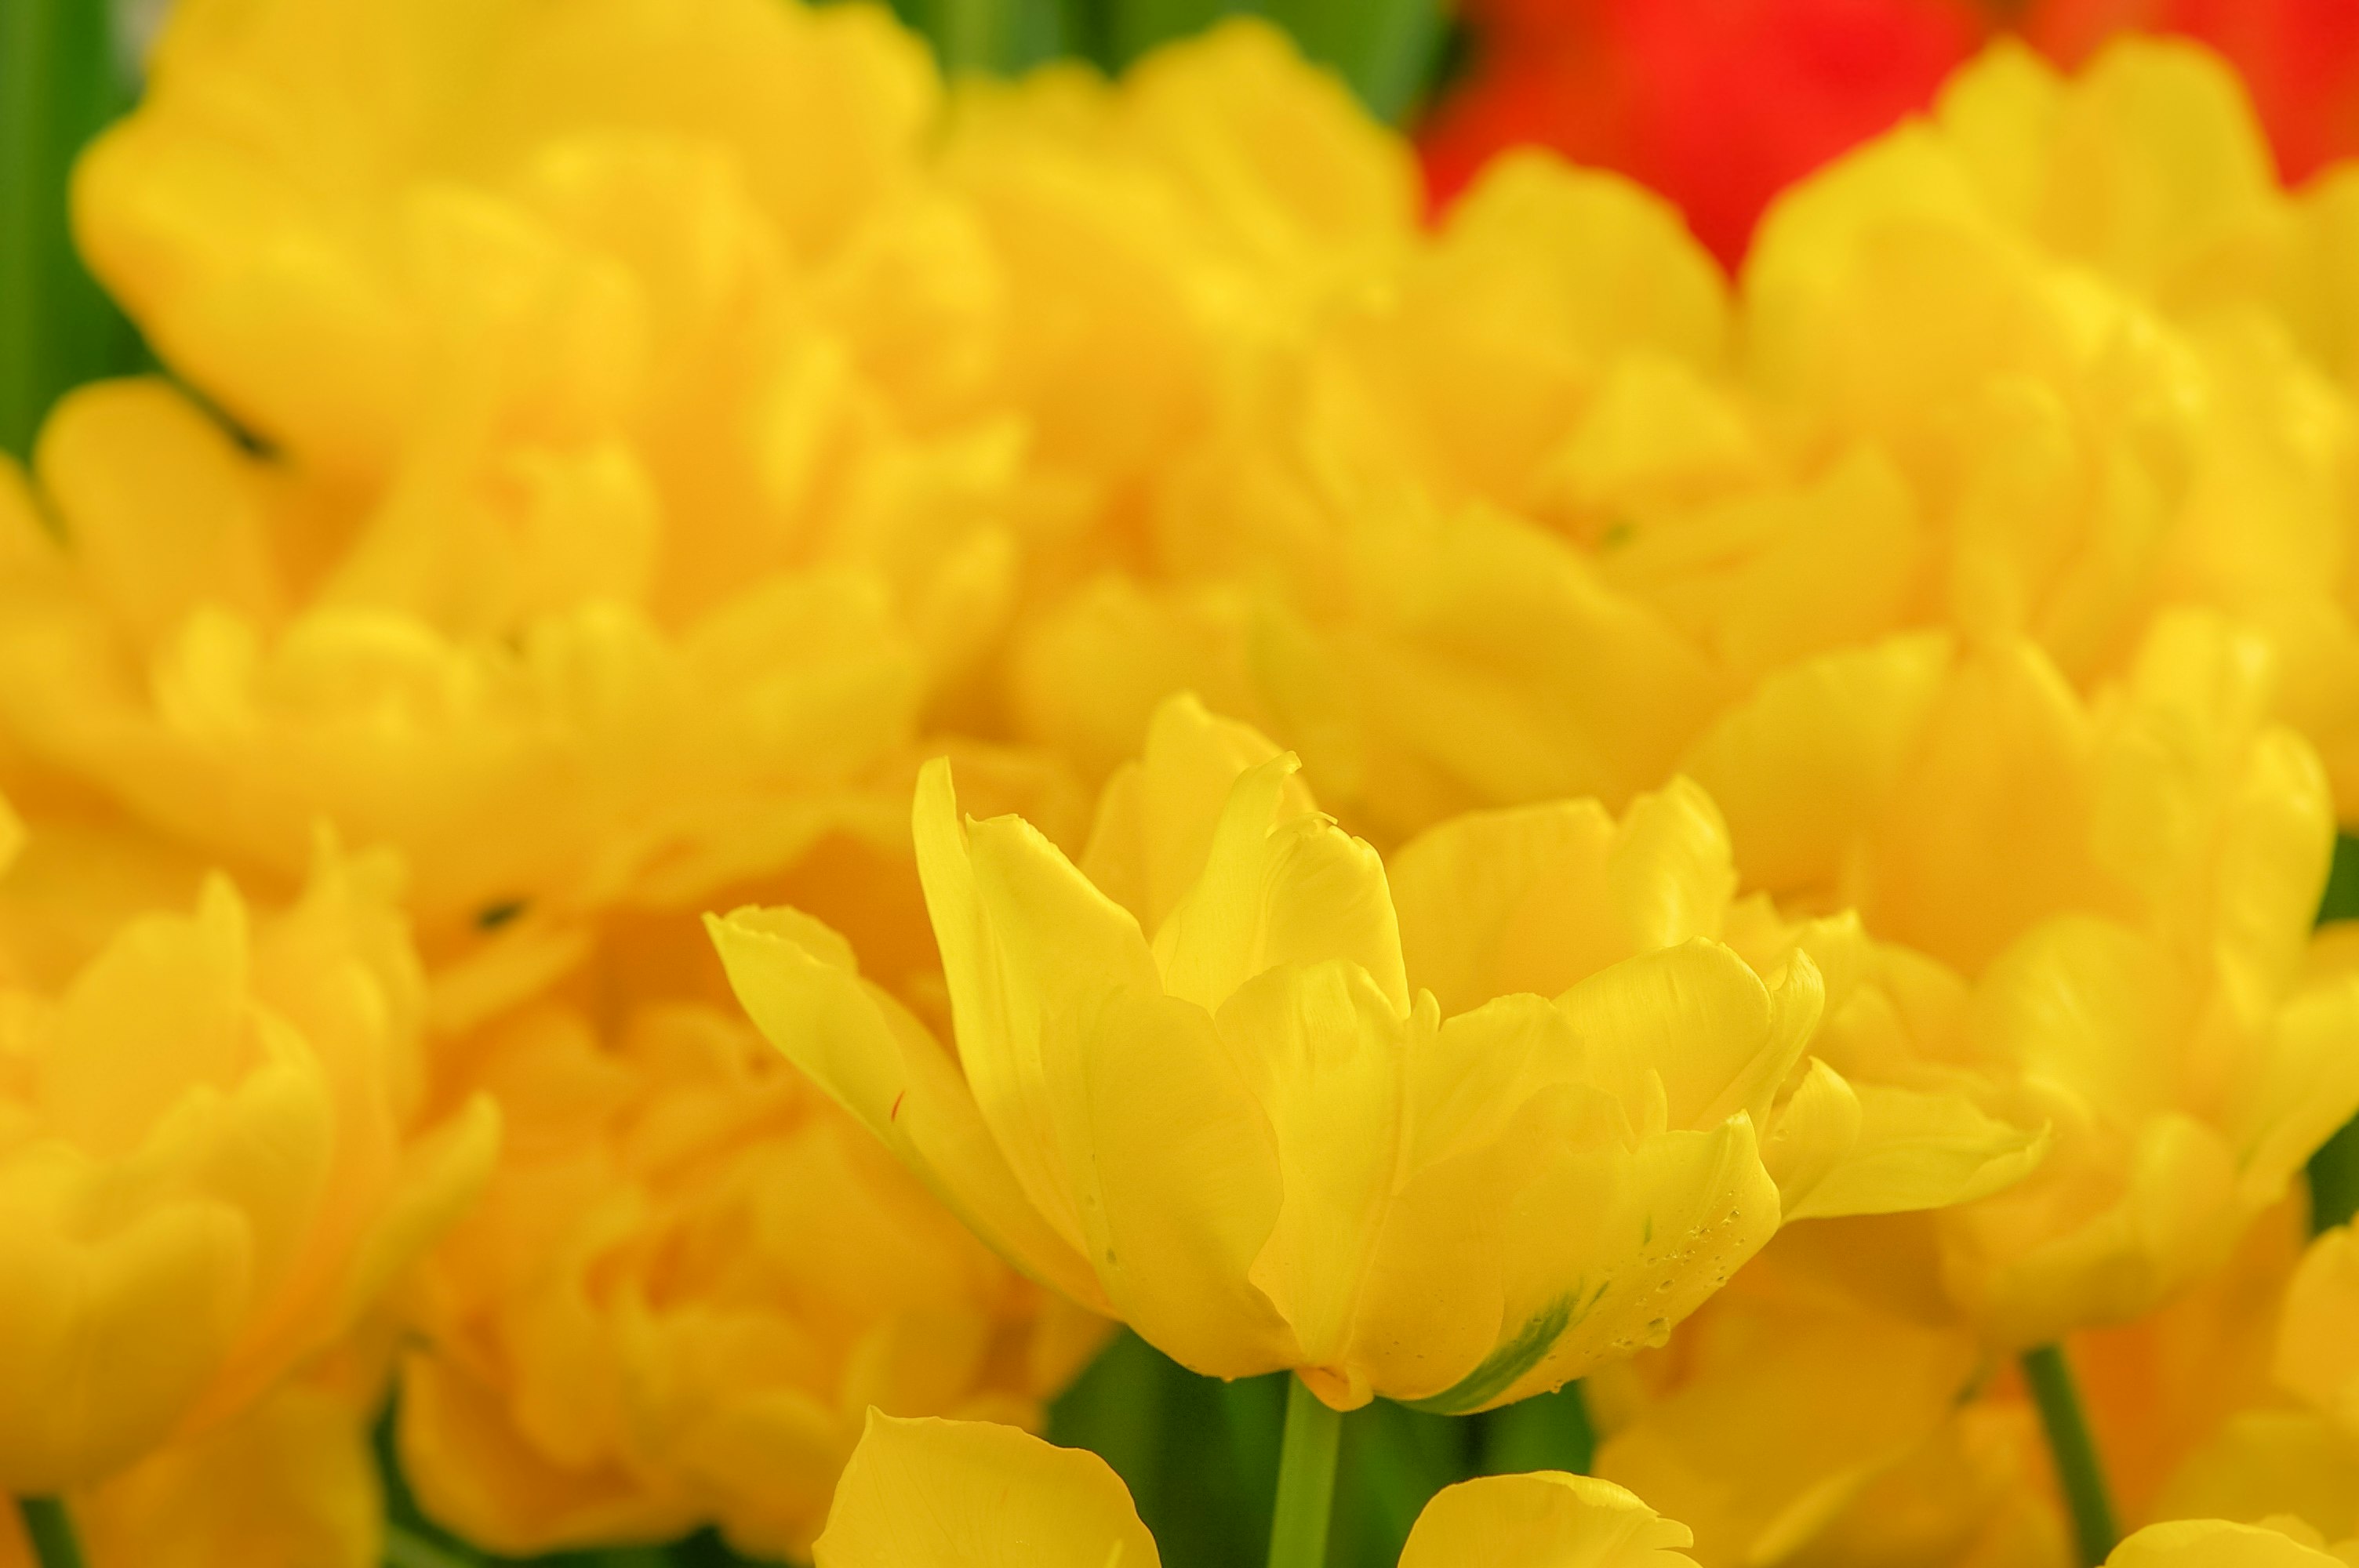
(1717, 103)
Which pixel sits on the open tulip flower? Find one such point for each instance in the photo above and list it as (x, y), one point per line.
(950, 1494)
(1451, 1132)
(689, 1279)
(210, 1161)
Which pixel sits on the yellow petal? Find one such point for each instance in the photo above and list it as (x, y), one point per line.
(1695, 1025)
(1157, 813)
(1545, 1519)
(2317, 1343)
(1919, 1150)
(1021, 933)
(1276, 891)
(948, 1494)
(291, 1484)
(799, 982)
(1535, 898)
(1326, 1058)
(2216, 1543)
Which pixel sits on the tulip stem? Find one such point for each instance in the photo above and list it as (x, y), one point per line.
(1306, 1479)
(2078, 1469)
(51, 1532)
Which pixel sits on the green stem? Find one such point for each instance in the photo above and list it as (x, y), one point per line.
(2078, 1469)
(58, 87)
(51, 1532)
(406, 1549)
(1305, 1480)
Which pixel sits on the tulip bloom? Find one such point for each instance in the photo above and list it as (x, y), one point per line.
(2298, 1455)
(1451, 1132)
(1719, 106)
(2300, 60)
(939, 1494)
(576, 544)
(209, 1157)
(692, 1274)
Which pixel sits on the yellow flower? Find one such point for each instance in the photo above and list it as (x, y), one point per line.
(2300, 1460)
(1327, 1117)
(210, 1155)
(1920, 1445)
(2216, 1543)
(290, 1483)
(605, 523)
(2118, 894)
(944, 1494)
(1829, 1408)
(1157, 241)
(688, 1278)
(1524, 517)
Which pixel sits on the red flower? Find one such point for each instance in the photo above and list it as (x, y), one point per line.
(2300, 60)
(1717, 103)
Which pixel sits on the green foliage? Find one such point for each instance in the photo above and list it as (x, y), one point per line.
(1388, 50)
(2334, 1169)
(60, 84)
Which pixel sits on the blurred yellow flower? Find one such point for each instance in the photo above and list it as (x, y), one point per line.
(210, 1160)
(942, 1494)
(1327, 1117)
(2297, 1456)
(1523, 516)
(290, 1483)
(600, 527)
(1829, 1408)
(2119, 896)
(689, 1279)
(2216, 1543)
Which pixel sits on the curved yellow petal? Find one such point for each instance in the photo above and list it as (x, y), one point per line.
(1535, 898)
(800, 983)
(1276, 891)
(2216, 1543)
(953, 1494)
(1545, 1519)
(1156, 816)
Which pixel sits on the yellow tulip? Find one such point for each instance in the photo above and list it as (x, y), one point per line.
(323, 213)
(1919, 1444)
(946, 1494)
(211, 1156)
(1327, 1117)
(1156, 243)
(290, 1484)
(1516, 521)
(2120, 893)
(621, 501)
(2216, 1543)
(156, 655)
(1830, 1408)
(2300, 1460)
(688, 1279)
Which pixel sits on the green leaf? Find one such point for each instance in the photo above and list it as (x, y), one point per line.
(1547, 1432)
(1004, 38)
(60, 84)
(2334, 1169)
(1387, 51)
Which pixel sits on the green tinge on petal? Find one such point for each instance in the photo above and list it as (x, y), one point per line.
(1500, 1369)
